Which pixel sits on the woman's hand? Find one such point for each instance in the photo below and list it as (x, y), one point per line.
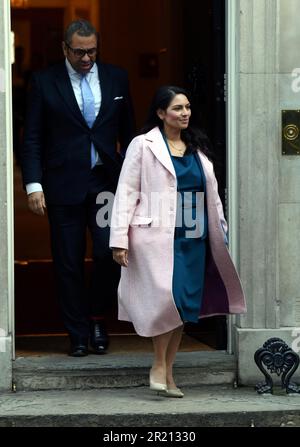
(120, 255)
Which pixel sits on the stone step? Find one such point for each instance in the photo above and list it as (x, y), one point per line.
(205, 406)
(60, 372)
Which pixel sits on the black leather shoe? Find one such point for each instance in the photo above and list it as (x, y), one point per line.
(78, 350)
(99, 338)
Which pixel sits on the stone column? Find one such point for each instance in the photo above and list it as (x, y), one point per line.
(269, 202)
(6, 201)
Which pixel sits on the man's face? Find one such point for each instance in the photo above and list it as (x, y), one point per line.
(82, 63)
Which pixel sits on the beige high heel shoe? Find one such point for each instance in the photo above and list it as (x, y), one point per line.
(156, 386)
(174, 392)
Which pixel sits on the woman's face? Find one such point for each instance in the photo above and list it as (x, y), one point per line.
(177, 114)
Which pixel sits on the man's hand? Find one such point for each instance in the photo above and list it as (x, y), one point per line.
(120, 255)
(36, 203)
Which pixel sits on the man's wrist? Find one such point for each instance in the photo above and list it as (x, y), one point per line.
(33, 187)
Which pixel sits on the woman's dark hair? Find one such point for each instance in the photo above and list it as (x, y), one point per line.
(193, 137)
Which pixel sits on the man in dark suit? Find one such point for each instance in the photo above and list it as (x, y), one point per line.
(79, 113)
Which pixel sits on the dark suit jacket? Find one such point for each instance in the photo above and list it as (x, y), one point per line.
(57, 140)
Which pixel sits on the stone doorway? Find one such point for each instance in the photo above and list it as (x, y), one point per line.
(193, 56)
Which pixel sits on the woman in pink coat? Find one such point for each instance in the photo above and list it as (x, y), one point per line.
(168, 233)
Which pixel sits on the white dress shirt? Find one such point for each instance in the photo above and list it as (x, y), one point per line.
(75, 78)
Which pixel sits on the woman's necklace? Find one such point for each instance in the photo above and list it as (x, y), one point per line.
(176, 150)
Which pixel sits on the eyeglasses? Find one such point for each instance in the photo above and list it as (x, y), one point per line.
(79, 52)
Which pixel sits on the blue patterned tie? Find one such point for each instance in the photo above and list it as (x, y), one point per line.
(88, 111)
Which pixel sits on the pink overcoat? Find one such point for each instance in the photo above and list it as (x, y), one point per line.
(143, 221)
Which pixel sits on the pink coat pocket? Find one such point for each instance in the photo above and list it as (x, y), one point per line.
(141, 221)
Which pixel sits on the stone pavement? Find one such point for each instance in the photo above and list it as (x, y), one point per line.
(112, 391)
(206, 406)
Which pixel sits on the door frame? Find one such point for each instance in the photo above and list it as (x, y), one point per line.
(8, 60)
(231, 96)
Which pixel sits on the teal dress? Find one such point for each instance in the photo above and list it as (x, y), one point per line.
(189, 241)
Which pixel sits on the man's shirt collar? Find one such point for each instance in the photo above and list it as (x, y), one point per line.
(73, 72)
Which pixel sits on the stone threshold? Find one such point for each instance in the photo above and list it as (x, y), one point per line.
(52, 372)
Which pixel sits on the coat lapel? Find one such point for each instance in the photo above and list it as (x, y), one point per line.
(64, 87)
(206, 165)
(106, 86)
(155, 141)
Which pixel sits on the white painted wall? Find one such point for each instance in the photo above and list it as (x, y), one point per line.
(6, 201)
